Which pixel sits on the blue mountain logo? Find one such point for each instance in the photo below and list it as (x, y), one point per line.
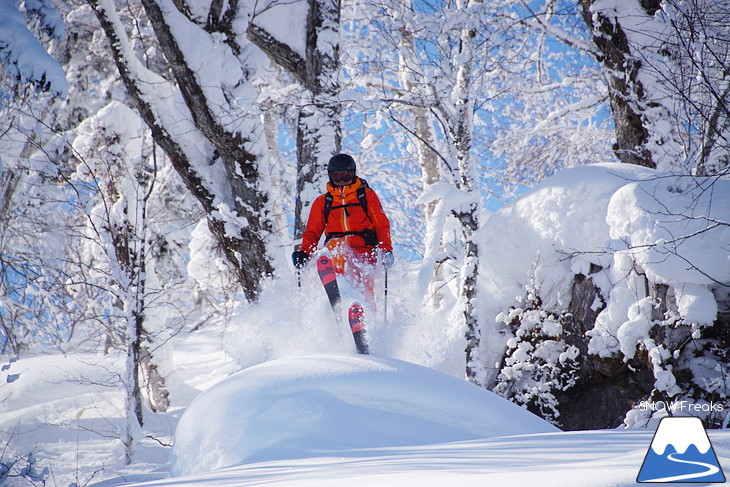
(680, 452)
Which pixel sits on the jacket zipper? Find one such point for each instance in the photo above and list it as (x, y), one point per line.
(344, 211)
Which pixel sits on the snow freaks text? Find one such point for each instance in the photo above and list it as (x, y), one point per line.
(681, 406)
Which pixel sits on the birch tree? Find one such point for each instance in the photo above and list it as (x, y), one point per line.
(205, 119)
(415, 99)
(468, 215)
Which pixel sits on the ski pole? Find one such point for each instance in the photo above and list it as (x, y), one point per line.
(297, 248)
(385, 297)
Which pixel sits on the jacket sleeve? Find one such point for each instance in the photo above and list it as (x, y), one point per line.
(315, 226)
(380, 221)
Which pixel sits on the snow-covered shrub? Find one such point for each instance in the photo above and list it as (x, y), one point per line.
(691, 367)
(707, 380)
(687, 356)
(538, 364)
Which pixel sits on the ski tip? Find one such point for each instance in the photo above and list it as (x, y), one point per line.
(356, 317)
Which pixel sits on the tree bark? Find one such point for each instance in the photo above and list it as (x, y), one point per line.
(276, 172)
(581, 317)
(624, 87)
(427, 157)
(157, 393)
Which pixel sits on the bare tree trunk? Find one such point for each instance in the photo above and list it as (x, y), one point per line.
(716, 134)
(134, 417)
(423, 132)
(319, 125)
(316, 143)
(469, 276)
(469, 214)
(625, 89)
(154, 382)
(276, 172)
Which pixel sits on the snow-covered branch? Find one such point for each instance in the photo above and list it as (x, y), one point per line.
(23, 55)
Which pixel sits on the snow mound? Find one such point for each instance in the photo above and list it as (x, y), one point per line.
(314, 405)
(559, 226)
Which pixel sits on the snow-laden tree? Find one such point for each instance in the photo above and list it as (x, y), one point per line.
(23, 57)
(532, 109)
(546, 110)
(541, 97)
(39, 222)
(94, 242)
(308, 49)
(35, 308)
(539, 365)
(460, 131)
(118, 170)
(205, 118)
(666, 65)
(693, 68)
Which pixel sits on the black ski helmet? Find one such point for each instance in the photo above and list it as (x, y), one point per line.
(339, 163)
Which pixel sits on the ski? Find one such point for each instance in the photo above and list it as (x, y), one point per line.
(357, 325)
(327, 275)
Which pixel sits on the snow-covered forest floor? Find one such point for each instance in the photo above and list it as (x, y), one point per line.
(63, 410)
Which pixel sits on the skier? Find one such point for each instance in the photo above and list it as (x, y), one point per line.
(355, 227)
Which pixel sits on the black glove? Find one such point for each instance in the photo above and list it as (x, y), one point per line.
(299, 258)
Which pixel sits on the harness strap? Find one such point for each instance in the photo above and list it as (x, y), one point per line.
(361, 197)
(332, 235)
(368, 235)
(344, 206)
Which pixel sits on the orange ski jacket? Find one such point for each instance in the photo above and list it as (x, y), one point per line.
(347, 219)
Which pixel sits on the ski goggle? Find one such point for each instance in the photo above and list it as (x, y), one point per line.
(342, 176)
